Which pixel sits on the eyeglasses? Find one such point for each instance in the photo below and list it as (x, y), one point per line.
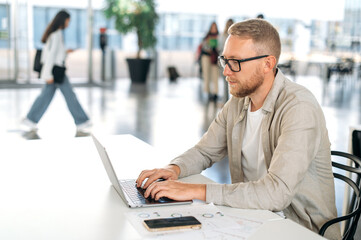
(235, 64)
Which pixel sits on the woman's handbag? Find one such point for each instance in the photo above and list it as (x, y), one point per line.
(214, 56)
(59, 74)
(37, 64)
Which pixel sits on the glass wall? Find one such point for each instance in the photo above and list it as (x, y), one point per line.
(182, 31)
(175, 31)
(14, 41)
(6, 54)
(352, 23)
(23, 22)
(21, 41)
(75, 34)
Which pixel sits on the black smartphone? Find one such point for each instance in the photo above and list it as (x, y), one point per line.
(164, 224)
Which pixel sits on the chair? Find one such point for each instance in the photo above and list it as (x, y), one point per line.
(356, 143)
(354, 207)
(288, 67)
(344, 67)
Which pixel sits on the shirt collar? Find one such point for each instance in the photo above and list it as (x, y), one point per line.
(277, 87)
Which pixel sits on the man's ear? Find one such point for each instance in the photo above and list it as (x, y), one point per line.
(270, 63)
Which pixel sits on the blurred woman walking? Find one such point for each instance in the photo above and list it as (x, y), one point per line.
(52, 72)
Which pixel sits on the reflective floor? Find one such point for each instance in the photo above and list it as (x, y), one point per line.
(169, 116)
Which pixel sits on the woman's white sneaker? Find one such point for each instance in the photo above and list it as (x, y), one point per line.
(84, 126)
(29, 125)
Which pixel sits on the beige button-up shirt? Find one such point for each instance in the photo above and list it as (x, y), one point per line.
(296, 147)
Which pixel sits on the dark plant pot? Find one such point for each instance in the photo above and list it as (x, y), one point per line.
(138, 69)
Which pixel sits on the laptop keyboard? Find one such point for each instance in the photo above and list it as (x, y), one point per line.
(136, 195)
(133, 193)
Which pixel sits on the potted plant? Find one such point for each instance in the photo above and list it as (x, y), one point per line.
(137, 16)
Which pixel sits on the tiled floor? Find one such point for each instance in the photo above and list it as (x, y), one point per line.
(169, 116)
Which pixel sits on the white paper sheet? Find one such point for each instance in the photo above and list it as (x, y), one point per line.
(215, 224)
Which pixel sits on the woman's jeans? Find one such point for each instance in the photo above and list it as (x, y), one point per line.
(42, 102)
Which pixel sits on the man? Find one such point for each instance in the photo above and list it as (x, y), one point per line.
(273, 132)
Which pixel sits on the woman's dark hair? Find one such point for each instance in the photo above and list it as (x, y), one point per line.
(228, 24)
(58, 22)
(209, 33)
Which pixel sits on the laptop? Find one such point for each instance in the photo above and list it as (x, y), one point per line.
(127, 189)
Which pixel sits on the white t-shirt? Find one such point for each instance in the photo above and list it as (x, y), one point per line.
(253, 163)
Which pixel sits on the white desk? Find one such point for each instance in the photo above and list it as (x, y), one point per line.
(60, 190)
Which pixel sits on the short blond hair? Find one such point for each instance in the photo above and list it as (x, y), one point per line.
(265, 37)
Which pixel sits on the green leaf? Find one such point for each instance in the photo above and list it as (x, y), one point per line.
(137, 16)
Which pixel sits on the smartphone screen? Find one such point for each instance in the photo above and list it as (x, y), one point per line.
(162, 224)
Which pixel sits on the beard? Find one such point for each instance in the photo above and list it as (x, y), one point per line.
(246, 88)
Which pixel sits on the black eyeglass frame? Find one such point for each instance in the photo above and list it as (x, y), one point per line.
(221, 58)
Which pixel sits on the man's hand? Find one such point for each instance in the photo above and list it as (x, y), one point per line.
(170, 172)
(50, 81)
(176, 190)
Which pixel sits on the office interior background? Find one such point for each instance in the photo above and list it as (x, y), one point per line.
(307, 36)
(172, 116)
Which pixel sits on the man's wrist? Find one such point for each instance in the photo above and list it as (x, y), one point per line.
(175, 168)
(200, 191)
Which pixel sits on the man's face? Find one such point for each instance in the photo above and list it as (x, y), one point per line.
(247, 81)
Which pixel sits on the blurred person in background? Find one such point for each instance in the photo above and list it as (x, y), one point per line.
(54, 54)
(209, 55)
(222, 40)
(260, 16)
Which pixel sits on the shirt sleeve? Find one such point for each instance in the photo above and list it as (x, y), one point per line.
(49, 60)
(296, 148)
